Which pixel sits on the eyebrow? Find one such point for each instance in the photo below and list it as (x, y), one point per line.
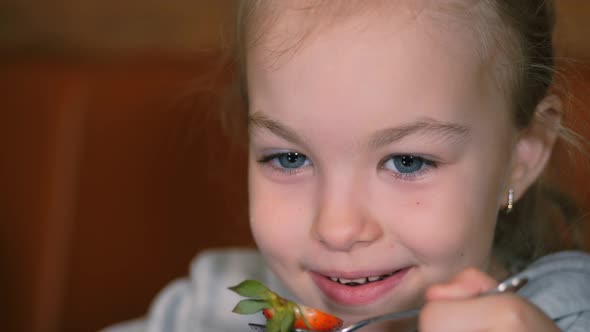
(259, 120)
(445, 131)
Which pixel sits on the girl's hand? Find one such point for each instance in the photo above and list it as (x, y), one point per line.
(455, 307)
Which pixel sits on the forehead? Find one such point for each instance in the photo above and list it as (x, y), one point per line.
(420, 46)
(283, 27)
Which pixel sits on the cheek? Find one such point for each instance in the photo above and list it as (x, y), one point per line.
(449, 224)
(450, 235)
(277, 217)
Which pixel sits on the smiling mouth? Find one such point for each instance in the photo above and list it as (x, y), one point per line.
(358, 288)
(360, 281)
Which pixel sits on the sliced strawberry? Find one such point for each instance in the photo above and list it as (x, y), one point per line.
(282, 315)
(310, 318)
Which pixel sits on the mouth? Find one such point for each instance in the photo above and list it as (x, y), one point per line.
(353, 289)
(360, 281)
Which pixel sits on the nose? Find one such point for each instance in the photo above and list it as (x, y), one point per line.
(343, 221)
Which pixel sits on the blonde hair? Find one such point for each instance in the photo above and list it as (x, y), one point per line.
(543, 220)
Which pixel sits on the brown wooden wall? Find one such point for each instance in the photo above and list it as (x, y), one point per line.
(112, 179)
(114, 171)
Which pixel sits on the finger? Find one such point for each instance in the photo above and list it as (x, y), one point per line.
(469, 283)
(446, 315)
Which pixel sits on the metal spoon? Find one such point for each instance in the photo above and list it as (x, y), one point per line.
(510, 285)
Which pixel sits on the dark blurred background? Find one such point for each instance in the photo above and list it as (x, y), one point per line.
(114, 168)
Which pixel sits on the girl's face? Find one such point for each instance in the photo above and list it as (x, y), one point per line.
(378, 160)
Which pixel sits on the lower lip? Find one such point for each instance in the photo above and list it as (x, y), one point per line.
(358, 295)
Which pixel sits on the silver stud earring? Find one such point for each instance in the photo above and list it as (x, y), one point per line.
(510, 204)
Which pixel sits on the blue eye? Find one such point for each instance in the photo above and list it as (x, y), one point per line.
(288, 162)
(408, 166)
(291, 160)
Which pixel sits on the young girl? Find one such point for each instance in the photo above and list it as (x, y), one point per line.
(395, 153)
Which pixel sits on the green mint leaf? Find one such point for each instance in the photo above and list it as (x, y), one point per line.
(274, 324)
(253, 289)
(249, 307)
(288, 320)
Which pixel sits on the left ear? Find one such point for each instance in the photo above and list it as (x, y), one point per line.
(534, 145)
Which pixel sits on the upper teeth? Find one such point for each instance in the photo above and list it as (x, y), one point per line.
(358, 281)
